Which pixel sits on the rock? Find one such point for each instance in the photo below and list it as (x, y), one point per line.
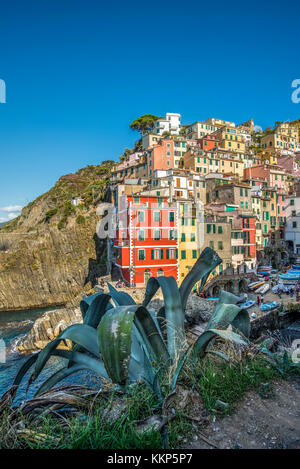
(154, 422)
(221, 405)
(47, 327)
(185, 401)
(198, 309)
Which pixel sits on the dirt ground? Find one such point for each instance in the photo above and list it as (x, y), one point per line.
(258, 423)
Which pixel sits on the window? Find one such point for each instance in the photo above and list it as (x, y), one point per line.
(136, 200)
(141, 254)
(183, 255)
(156, 235)
(157, 254)
(171, 216)
(294, 224)
(194, 253)
(141, 216)
(293, 213)
(172, 254)
(292, 202)
(193, 237)
(141, 235)
(183, 237)
(220, 245)
(220, 229)
(156, 216)
(172, 235)
(211, 244)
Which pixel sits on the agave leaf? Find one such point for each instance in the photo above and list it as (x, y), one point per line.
(80, 361)
(223, 316)
(81, 334)
(57, 377)
(202, 342)
(241, 323)
(179, 368)
(230, 335)
(97, 309)
(24, 368)
(115, 339)
(207, 262)
(219, 354)
(173, 311)
(90, 363)
(151, 335)
(150, 376)
(227, 297)
(87, 301)
(120, 298)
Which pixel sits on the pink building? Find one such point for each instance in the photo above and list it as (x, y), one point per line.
(273, 174)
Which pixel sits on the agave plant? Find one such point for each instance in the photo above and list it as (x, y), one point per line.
(125, 342)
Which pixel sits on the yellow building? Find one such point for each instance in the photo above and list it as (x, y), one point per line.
(284, 137)
(267, 157)
(219, 122)
(187, 237)
(230, 139)
(199, 130)
(204, 163)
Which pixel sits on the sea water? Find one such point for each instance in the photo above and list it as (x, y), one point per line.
(13, 326)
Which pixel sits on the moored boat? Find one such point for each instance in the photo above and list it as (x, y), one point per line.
(269, 306)
(263, 289)
(247, 304)
(254, 285)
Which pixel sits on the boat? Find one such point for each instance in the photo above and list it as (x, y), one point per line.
(296, 266)
(269, 306)
(213, 299)
(263, 289)
(265, 273)
(254, 285)
(247, 304)
(290, 276)
(264, 268)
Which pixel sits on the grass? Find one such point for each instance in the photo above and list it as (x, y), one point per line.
(213, 378)
(216, 380)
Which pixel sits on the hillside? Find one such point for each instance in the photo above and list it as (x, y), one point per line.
(49, 254)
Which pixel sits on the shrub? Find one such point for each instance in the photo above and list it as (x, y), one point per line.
(80, 220)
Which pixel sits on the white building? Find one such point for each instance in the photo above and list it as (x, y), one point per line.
(171, 124)
(292, 228)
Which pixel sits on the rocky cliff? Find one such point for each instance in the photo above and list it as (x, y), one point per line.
(50, 254)
(47, 328)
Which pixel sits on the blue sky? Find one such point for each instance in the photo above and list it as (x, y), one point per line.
(78, 72)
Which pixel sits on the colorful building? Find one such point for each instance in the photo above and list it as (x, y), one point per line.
(146, 241)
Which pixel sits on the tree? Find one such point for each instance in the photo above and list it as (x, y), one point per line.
(144, 123)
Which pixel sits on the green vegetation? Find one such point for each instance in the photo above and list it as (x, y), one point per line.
(101, 426)
(144, 123)
(80, 220)
(88, 183)
(146, 368)
(51, 214)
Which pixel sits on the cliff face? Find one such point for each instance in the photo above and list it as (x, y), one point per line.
(50, 254)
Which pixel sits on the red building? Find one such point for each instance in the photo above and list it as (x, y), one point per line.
(209, 142)
(146, 239)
